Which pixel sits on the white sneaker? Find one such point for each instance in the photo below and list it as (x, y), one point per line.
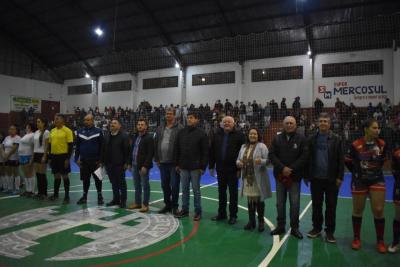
(393, 248)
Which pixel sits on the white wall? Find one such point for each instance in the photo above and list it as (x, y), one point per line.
(385, 80)
(15, 86)
(265, 91)
(210, 93)
(123, 99)
(161, 96)
(81, 101)
(243, 88)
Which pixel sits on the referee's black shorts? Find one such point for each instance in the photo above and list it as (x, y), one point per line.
(57, 164)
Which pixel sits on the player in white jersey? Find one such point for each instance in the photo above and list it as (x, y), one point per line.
(40, 144)
(25, 153)
(11, 143)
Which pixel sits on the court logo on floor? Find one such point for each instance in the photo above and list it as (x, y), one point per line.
(117, 231)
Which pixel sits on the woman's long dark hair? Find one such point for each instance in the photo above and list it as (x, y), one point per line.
(45, 123)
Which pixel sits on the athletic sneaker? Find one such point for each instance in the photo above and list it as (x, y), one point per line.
(356, 244)
(380, 247)
(394, 248)
(330, 238)
(314, 233)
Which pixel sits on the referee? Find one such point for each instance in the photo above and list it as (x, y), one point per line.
(87, 156)
(60, 148)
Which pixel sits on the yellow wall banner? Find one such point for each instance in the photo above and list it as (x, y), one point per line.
(18, 103)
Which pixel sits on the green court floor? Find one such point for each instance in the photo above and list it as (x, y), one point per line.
(206, 243)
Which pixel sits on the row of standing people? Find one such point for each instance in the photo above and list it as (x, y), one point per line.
(184, 153)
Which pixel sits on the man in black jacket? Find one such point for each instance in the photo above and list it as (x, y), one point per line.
(191, 157)
(142, 162)
(115, 158)
(289, 155)
(225, 146)
(325, 171)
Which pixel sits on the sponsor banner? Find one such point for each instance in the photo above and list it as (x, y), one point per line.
(18, 103)
(357, 93)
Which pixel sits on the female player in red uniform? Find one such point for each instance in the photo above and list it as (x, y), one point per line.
(367, 157)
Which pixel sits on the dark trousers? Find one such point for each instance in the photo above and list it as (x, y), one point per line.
(294, 199)
(321, 188)
(170, 181)
(88, 167)
(116, 174)
(228, 180)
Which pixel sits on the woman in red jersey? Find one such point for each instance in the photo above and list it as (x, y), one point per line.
(367, 157)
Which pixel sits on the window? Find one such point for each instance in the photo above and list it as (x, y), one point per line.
(162, 82)
(213, 78)
(352, 68)
(277, 74)
(80, 89)
(116, 86)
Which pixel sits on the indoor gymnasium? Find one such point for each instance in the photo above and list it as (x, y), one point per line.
(199, 133)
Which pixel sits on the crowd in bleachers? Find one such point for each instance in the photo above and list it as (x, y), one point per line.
(346, 119)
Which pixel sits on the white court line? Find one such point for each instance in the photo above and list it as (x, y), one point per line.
(9, 197)
(276, 248)
(201, 187)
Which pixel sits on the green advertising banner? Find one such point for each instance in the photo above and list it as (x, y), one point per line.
(18, 103)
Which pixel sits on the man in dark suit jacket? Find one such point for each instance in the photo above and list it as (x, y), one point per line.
(115, 158)
(142, 162)
(225, 147)
(289, 156)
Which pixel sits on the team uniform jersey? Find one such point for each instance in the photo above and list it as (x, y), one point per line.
(366, 164)
(8, 144)
(396, 175)
(59, 140)
(25, 147)
(37, 148)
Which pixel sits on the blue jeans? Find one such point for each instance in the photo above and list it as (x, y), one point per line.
(294, 199)
(141, 182)
(170, 184)
(192, 176)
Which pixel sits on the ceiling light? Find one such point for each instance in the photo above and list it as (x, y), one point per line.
(203, 79)
(98, 31)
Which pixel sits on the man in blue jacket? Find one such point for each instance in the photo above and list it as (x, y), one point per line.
(87, 155)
